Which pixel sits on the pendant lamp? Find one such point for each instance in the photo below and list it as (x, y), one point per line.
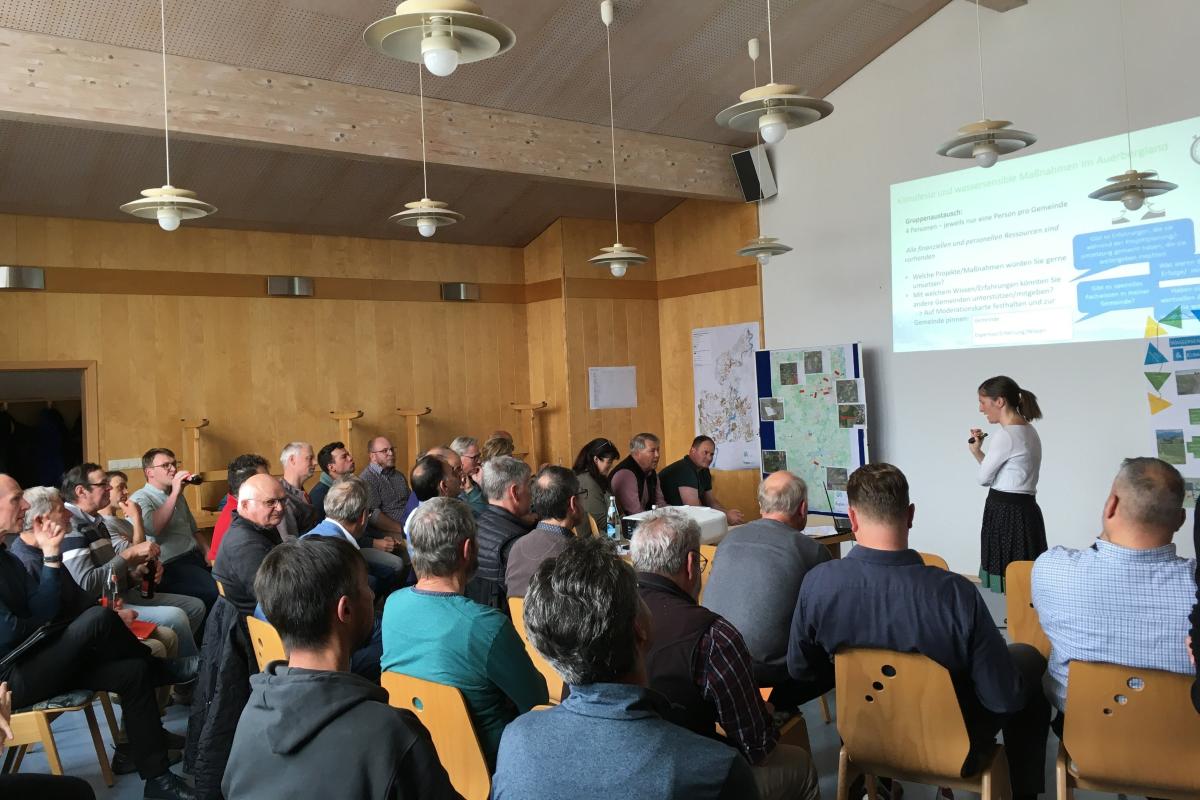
(441, 34)
(776, 108)
(988, 139)
(167, 204)
(1132, 186)
(425, 215)
(763, 247)
(618, 257)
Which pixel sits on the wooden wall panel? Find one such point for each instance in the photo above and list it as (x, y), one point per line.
(548, 380)
(699, 236)
(583, 238)
(544, 256)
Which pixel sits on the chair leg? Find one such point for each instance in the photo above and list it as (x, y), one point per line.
(47, 737)
(1061, 778)
(106, 704)
(12, 761)
(98, 741)
(825, 715)
(872, 784)
(846, 775)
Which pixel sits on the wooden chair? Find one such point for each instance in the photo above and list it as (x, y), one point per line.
(1129, 731)
(1023, 623)
(554, 681)
(934, 560)
(899, 717)
(32, 725)
(709, 551)
(265, 639)
(444, 713)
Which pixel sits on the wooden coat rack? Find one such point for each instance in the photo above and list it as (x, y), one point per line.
(527, 414)
(412, 419)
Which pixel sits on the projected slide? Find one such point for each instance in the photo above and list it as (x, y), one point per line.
(1018, 254)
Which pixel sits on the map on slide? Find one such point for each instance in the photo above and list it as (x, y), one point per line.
(723, 379)
(812, 409)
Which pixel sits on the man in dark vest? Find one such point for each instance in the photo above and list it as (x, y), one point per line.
(505, 482)
(700, 662)
(634, 481)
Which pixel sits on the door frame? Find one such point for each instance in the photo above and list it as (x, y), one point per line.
(89, 395)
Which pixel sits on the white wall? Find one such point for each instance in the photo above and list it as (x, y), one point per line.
(1053, 68)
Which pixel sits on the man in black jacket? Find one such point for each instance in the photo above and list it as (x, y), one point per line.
(506, 484)
(301, 733)
(93, 651)
(250, 537)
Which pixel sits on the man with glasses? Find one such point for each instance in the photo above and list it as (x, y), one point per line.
(467, 448)
(688, 481)
(169, 523)
(701, 663)
(251, 536)
(389, 496)
(557, 501)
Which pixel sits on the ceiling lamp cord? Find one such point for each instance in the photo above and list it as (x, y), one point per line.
(1125, 84)
(612, 129)
(162, 19)
(421, 94)
(979, 46)
(770, 46)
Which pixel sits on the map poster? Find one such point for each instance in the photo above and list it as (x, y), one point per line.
(1170, 374)
(723, 378)
(812, 410)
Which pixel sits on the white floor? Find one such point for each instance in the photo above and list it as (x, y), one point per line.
(79, 758)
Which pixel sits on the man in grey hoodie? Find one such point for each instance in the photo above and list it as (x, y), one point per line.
(311, 727)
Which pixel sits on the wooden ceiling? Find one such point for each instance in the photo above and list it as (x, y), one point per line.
(676, 64)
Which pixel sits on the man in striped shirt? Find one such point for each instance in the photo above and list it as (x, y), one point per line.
(701, 663)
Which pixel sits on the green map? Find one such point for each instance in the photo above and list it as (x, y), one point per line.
(819, 414)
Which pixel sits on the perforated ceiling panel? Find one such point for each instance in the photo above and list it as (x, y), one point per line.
(676, 62)
(72, 172)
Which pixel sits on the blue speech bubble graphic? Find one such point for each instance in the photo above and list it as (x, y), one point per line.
(1115, 294)
(1157, 242)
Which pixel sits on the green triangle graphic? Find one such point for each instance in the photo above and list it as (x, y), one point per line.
(1174, 319)
(1157, 379)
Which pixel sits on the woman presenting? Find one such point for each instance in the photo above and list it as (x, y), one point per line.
(1013, 529)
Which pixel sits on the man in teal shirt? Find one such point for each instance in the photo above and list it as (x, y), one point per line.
(431, 631)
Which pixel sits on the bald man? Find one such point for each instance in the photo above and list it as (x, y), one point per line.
(251, 536)
(756, 577)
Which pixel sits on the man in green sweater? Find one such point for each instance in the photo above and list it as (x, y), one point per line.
(431, 631)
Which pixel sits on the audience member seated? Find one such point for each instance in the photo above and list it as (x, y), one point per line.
(881, 595)
(1125, 599)
(467, 449)
(688, 481)
(592, 466)
(756, 579)
(389, 497)
(500, 443)
(584, 616)
(127, 527)
(554, 499)
(506, 484)
(92, 650)
(299, 464)
(431, 631)
(347, 506)
(168, 521)
(335, 462)
(433, 476)
(43, 787)
(99, 564)
(255, 530)
(311, 728)
(239, 470)
(700, 663)
(634, 481)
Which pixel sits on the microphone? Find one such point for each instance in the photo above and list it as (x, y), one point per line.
(982, 436)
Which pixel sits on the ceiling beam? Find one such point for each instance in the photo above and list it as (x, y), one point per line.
(61, 81)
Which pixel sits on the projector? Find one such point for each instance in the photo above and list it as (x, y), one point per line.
(713, 525)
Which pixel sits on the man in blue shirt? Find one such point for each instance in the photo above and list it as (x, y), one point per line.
(1126, 598)
(609, 738)
(883, 596)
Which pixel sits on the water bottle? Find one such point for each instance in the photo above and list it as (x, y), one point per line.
(614, 520)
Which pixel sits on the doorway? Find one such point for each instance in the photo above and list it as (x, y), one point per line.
(47, 419)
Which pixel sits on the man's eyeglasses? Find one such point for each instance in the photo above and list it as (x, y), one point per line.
(270, 502)
(581, 493)
(384, 450)
(103, 485)
(166, 465)
(703, 561)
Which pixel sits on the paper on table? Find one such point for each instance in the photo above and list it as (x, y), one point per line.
(821, 530)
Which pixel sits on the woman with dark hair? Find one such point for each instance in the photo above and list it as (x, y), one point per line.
(593, 465)
(1013, 529)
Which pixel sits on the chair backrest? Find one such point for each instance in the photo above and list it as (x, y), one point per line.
(709, 551)
(934, 560)
(897, 712)
(554, 681)
(444, 713)
(265, 640)
(1135, 727)
(592, 522)
(1023, 623)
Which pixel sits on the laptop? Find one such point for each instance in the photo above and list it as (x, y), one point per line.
(840, 524)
